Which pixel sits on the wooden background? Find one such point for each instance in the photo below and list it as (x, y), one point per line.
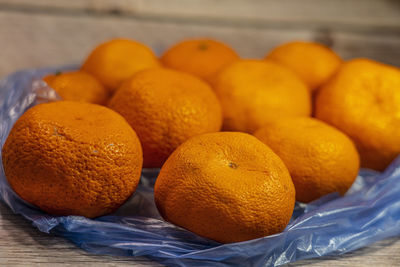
(46, 32)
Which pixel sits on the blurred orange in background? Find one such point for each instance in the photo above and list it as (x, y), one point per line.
(116, 60)
(201, 57)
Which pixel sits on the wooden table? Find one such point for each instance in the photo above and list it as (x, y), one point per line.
(45, 32)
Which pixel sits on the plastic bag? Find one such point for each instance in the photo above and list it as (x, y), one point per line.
(332, 225)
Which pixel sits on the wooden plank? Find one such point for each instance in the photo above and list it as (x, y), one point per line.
(314, 13)
(36, 40)
(33, 40)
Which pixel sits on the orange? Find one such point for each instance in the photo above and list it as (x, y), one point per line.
(225, 186)
(363, 101)
(166, 107)
(254, 92)
(77, 86)
(320, 158)
(115, 61)
(72, 158)
(200, 57)
(314, 63)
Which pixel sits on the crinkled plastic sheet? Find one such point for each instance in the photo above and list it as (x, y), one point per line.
(331, 225)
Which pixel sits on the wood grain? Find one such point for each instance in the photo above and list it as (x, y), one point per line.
(339, 13)
(30, 39)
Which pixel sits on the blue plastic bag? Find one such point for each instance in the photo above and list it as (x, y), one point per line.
(332, 225)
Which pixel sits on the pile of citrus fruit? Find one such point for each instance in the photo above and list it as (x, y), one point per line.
(238, 141)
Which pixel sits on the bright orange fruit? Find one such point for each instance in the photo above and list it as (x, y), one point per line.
(314, 63)
(363, 101)
(115, 61)
(255, 92)
(166, 107)
(320, 158)
(200, 57)
(226, 186)
(77, 86)
(73, 158)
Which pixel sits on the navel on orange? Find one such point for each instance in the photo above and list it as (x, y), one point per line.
(226, 186)
(73, 158)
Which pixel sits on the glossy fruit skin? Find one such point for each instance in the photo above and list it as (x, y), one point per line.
(363, 101)
(116, 60)
(78, 86)
(225, 186)
(255, 92)
(321, 159)
(314, 63)
(73, 158)
(165, 108)
(201, 57)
